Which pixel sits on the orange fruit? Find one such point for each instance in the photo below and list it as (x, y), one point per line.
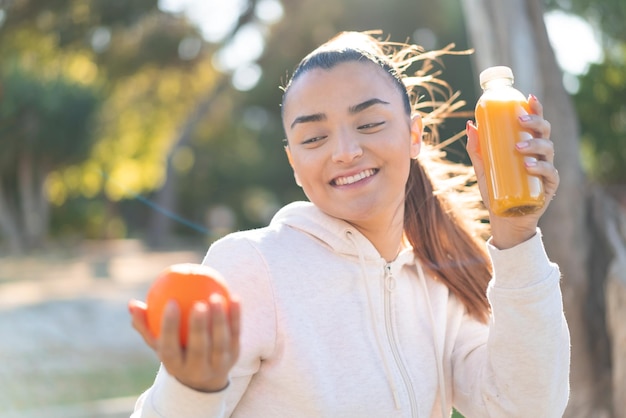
(185, 283)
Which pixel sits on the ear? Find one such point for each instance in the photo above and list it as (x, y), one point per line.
(295, 175)
(416, 135)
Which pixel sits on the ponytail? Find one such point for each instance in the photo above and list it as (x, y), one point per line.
(442, 240)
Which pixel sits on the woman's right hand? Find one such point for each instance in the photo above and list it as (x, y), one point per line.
(212, 344)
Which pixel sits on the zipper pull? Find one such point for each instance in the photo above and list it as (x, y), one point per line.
(390, 281)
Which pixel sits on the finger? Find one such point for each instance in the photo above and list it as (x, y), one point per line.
(168, 344)
(198, 342)
(220, 333)
(139, 321)
(536, 108)
(540, 127)
(542, 149)
(235, 326)
(473, 146)
(548, 172)
(473, 150)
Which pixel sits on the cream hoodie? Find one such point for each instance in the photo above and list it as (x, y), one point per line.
(332, 330)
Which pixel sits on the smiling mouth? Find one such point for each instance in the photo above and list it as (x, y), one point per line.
(344, 181)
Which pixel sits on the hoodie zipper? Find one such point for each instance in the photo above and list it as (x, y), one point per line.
(390, 283)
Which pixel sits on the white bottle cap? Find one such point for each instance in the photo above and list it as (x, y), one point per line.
(492, 73)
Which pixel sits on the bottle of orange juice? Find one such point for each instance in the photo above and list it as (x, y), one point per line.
(512, 191)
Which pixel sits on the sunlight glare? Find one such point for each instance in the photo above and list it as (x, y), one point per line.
(269, 11)
(245, 47)
(215, 18)
(574, 41)
(247, 76)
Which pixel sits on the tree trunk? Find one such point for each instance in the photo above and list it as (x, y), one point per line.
(9, 223)
(34, 212)
(616, 312)
(24, 212)
(43, 204)
(609, 220)
(513, 33)
(160, 221)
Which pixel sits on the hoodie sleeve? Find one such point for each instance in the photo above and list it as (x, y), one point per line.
(522, 368)
(246, 273)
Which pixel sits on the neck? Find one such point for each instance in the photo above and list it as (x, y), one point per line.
(387, 240)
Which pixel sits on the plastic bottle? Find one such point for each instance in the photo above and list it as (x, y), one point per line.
(512, 191)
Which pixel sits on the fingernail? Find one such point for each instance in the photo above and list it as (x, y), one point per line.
(216, 298)
(200, 307)
(170, 306)
(134, 304)
(524, 118)
(532, 97)
(522, 145)
(530, 162)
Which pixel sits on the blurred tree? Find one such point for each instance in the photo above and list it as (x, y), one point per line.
(602, 91)
(146, 65)
(606, 15)
(602, 115)
(45, 125)
(160, 225)
(239, 160)
(154, 129)
(602, 111)
(581, 213)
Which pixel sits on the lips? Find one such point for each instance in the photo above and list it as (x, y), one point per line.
(347, 180)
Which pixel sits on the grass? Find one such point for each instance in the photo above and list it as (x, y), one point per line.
(34, 390)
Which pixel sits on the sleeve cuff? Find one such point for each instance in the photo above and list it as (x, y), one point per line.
(170, 398)
(521, 266)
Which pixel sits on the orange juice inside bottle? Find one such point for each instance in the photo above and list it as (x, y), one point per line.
(512, 191)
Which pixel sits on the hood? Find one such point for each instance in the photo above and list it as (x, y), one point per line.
(339, 235)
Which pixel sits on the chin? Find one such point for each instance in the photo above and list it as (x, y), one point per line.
(352, 214)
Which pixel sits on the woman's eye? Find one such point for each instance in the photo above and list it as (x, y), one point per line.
(371, 125)
(313, 140)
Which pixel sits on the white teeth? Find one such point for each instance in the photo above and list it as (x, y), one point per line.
(342, 181)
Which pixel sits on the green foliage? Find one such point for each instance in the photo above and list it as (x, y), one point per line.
(456, 414)
(50, 119)
(72, 20)
(46, 125)
(602, 114)
(238, 149)
(600, 99)
(606, 15)
(116, 60)
(235, 158)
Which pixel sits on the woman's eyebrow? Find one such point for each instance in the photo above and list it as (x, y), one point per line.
(315, 117)
(368, 103)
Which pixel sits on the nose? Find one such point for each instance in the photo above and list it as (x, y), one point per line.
(347, 147)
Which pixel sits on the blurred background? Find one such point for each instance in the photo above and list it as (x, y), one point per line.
(133, 133)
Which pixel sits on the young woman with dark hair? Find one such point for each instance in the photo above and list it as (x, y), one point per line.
(379, 297)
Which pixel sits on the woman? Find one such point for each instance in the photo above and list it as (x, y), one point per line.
(371, 300)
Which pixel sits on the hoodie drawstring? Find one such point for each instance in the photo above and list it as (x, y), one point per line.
(438, 353)
(390, 379)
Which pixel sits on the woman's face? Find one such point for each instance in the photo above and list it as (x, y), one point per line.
(350, 142)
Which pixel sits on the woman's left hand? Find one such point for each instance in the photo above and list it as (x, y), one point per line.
(509, 231)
